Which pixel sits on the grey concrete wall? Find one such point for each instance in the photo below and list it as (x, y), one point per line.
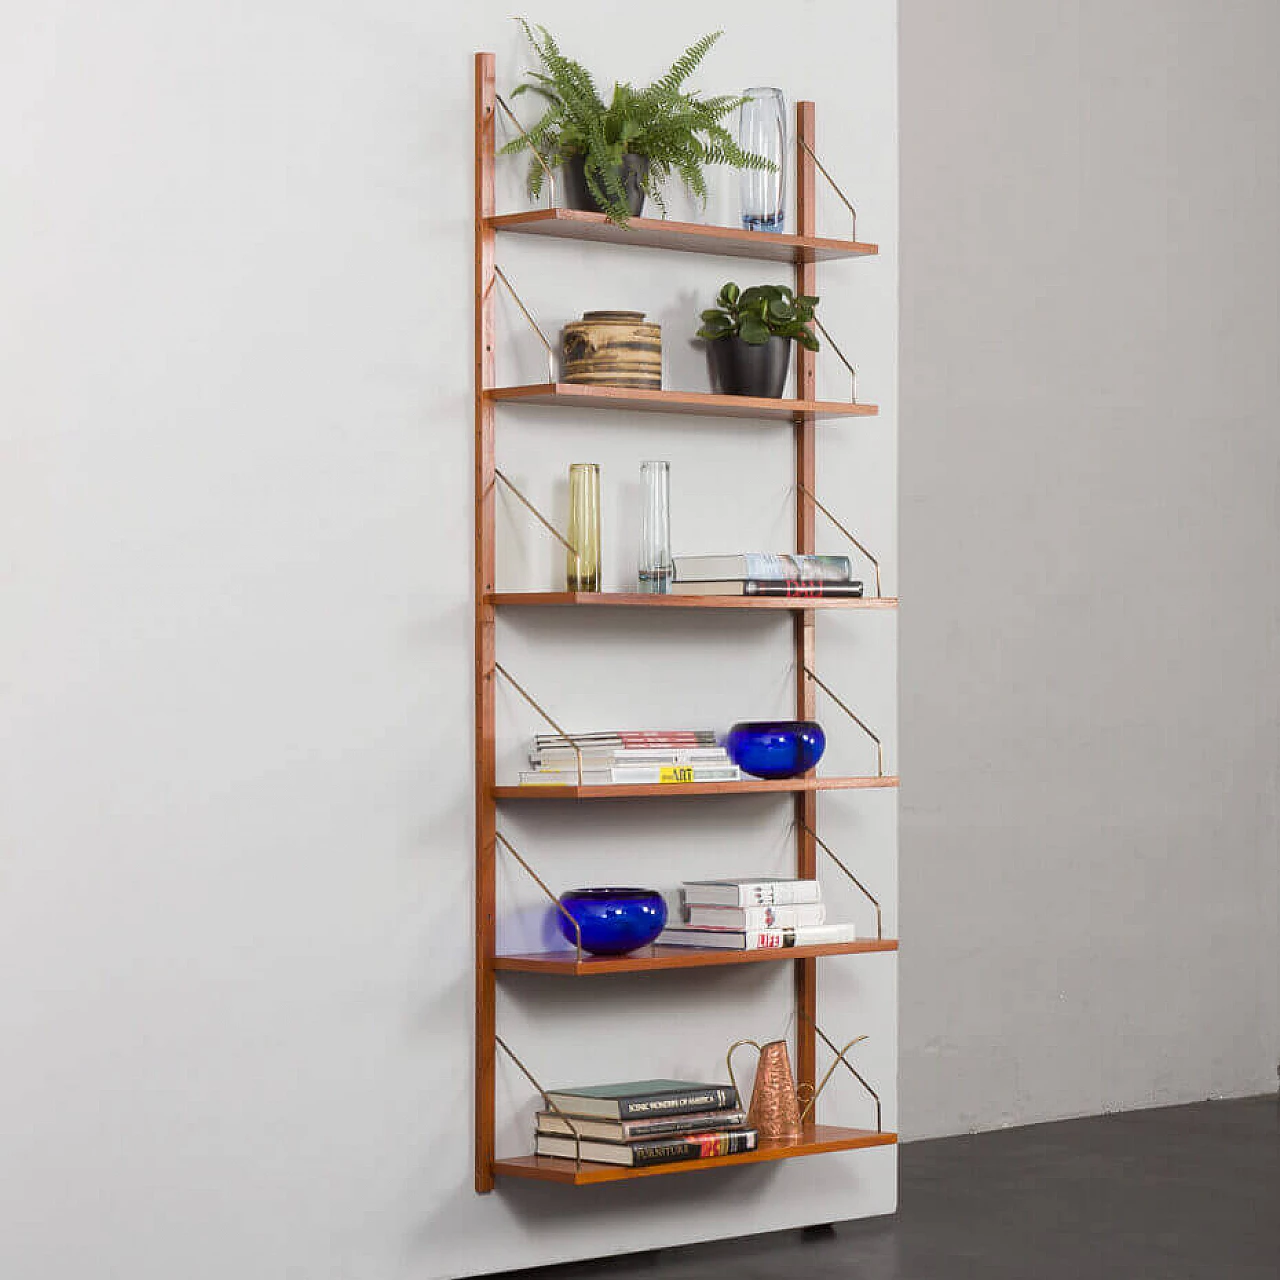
(1091, 556)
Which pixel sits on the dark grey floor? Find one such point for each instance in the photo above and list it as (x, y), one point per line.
(1179, 1193)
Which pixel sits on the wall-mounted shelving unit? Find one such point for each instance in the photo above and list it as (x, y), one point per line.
(803, 413)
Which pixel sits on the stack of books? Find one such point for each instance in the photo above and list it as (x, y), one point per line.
(757, 574)
(630, 756)
(746, 915)
(644, 1122)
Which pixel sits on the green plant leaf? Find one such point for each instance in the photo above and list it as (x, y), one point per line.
(679, 132)
(754, 331)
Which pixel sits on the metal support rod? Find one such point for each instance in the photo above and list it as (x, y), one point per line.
(853, 373)
(542, 520)
(830, 1072)
(875, 564)
(564, 733)
(854, 717)
(546, 1100)
(835, 186)
(551, 177)
(841, 1058)
(537, 879)
(542, 337)
(866, 893)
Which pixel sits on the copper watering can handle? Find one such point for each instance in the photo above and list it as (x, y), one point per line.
(728, 1062)
(813, 1098)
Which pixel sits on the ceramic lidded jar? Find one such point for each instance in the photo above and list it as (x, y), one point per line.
(614, 349)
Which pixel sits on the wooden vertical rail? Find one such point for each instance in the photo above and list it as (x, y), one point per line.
(806, 803)
(484, 656)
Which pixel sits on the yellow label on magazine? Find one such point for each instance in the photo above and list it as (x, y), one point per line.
(675, 773)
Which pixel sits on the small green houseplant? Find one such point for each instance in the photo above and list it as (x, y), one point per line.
(750, 332)
(616, 155)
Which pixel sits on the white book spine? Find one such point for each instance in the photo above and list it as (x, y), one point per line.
(759, 939)
(756, 893)
(633, 775)
(792, 916)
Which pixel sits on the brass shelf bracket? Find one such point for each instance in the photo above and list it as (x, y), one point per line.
(862, 888)
(546, 1100)
(499, 274)
(840, 1057)
(835, 186)
(564, 733)
(853, 715)
(537, 879)
(875, 564)
(551, 177)
(541, 519)
(853, 373)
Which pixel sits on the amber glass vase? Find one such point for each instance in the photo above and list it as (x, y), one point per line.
(582, 567)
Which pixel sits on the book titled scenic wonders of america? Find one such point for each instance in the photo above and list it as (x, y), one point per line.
(639, 1098)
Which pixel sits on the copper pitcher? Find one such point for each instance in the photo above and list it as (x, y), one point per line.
(778, 1107)
(775, 1100)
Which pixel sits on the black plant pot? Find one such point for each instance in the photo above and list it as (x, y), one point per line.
(631, 171)
(740, 369)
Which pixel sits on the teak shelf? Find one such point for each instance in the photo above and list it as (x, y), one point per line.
(687, 237)
(566, 964)
(815, 1140)
(634, 600)
(802, 414)
(666, 790)
(701, 404)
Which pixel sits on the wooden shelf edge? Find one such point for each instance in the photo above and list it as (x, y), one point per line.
(704, 403)
(634, 600)
(652, 790)
(689, 237)
(814, 1141)
(565, 964)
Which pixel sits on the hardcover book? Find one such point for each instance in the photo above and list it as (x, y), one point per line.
(699, 1146)
(763, 568)
(641, 1098)
(633, 775)
(789, 588)
(758, 939)
(631, 738)
(567, 758)
(632, 1130)
(794, 915)
(763, 891)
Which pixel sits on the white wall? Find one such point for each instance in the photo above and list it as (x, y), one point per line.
(235, 785)
(1091, 557)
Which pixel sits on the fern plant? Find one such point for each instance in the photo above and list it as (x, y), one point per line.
(678, 132)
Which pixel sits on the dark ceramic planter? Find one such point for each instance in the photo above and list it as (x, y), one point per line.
(632, 172)
(740, 369)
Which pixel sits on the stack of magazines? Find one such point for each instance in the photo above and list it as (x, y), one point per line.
(644, 1122)
(629, 756)
(758, 574)
(745, 915)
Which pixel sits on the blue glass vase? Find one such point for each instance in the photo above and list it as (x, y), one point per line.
(774, 749)
(613, 921)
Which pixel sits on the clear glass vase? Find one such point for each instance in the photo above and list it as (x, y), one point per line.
(655, 528)
(762, 129)
(582, 568)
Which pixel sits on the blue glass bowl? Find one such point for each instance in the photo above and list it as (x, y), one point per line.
(776, 748)
(613, 921)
